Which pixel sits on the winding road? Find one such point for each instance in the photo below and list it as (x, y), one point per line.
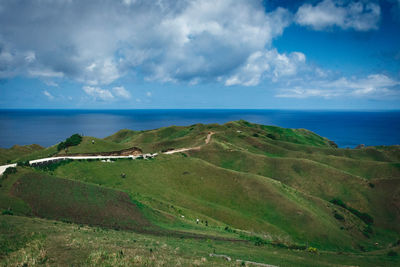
(208, 139)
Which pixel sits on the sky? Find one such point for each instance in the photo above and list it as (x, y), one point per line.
(173, 54)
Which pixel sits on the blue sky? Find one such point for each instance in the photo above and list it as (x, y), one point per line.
(134, 54)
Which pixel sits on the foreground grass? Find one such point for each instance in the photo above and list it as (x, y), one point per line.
(34, 241)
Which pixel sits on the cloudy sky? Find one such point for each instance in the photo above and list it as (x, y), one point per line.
(329, 54)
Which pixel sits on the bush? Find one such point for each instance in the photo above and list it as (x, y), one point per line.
(368, 231)
(312, 250)
(259, 242)
(9, 170)
(362, 215)
(23, 163)
(392, 253)
(338, 202)
(7, 212)
(339, 217)
(53, 165)
(230, 230)
(333, 144)
(73, 140)
(255, 135)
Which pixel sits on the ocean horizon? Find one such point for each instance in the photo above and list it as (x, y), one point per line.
(46, 127)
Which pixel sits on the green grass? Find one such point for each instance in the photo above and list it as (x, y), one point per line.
(267, 185)
(200, 190)
(16, 152)
(100, 145)
(72, 201)
(56, 243)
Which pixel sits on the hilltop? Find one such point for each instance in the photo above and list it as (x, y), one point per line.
(251, 192)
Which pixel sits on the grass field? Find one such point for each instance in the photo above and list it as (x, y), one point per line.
(47, 242)
(255, 192)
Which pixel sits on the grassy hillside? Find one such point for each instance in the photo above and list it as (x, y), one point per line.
(261, 193)
(16, 152)
(243, 201)
(66, 200)
(54, 243)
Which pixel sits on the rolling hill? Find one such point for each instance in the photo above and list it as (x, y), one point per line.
(259, 193)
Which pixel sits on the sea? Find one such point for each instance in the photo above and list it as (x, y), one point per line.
(48, 127)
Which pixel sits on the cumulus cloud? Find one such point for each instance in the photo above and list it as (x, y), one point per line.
(120, 91)
(270, 64)
(357, 15)
(372, 86)
(97, 42)
(98, 93)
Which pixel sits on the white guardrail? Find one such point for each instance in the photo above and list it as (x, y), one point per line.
(54, 159)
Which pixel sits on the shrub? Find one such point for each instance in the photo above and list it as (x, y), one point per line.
(333, 144)
(9, 170)
(338, 202)
(368, 231)
(273, 137)
(362, 215)
(23, 163)
(312, 250)
(255, 135)
(259, 242)
(7, 212)
(392, 253)
(230, 230)
(339, 217)
(73, 140)
(53, 165)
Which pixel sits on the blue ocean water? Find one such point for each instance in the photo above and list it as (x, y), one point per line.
(47, 127)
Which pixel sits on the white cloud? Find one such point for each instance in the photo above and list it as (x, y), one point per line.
(98, 93)
(149, 94)
(50, 83)
(373, 86)
(103, 71)
(120, 91)
(45, 73)
(270, 64)
(164, 40)
(50, 96)
(357, 15)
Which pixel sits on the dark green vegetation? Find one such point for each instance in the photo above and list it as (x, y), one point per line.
(286, 197)
(73, 140)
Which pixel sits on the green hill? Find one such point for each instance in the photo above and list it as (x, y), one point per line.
(254, 192)
(16, 152)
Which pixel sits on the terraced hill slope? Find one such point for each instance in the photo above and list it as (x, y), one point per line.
(252, 191)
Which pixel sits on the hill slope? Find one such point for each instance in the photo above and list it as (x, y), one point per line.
(265, 185)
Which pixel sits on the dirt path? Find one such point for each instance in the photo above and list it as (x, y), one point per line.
(208, 139)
